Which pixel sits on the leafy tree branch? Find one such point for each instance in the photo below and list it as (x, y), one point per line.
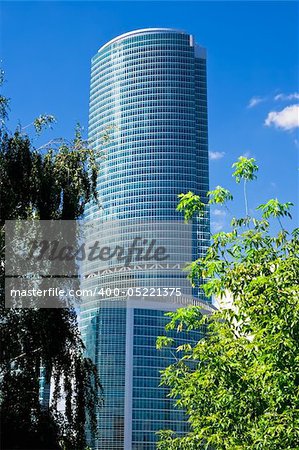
(239, 384)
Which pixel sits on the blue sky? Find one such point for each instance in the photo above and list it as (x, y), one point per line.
(252, 48)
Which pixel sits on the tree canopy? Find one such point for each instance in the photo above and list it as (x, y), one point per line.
(240, 384)
(53, 182)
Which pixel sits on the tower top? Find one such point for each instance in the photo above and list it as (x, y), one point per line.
(143, 31)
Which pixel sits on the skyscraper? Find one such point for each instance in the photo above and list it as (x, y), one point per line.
(149, 95)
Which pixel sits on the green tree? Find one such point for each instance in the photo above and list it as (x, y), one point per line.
(240, 384)
(53, 182)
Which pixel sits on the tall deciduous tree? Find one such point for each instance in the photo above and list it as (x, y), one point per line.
(240, 384)
(53, 182)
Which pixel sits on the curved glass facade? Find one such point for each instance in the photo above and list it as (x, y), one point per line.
(149, 88)
(149, 94)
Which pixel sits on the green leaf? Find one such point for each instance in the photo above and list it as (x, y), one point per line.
(191, 205)
(219, 195)
(273, 208)
(164, 341)
(43, 121)
(245, 169)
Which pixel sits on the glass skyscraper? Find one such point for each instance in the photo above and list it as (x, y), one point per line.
(149, 96)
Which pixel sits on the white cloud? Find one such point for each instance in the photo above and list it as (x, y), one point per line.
(219, 222)
(218, 212)
(287, 119)
(216, 226)
(293, 96)
(255, 101)
(216, 155)
(246, 154)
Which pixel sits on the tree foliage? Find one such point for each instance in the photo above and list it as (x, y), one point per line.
(54, 182)
(245, 169)
(240, 384)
